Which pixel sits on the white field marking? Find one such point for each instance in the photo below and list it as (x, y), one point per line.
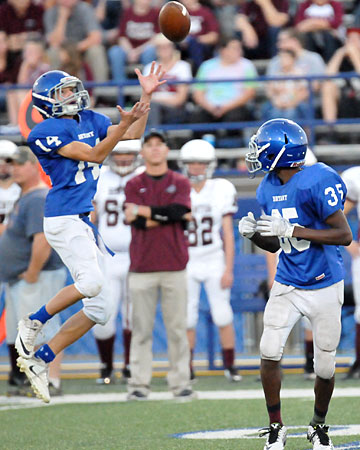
(253, 433)
(7, 403)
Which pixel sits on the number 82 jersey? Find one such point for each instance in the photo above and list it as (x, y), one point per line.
(307, 199)
(216, 199)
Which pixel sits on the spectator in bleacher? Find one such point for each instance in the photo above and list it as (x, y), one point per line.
(310, 63)
(287, 98)
(75, 21)
(9, 67)
(108, 13)
(168, 102)
(227, 101)
(320, 21)
(137, 28)
(34, 63)
(341, 97)
(204, 33)
(72, 62)
(259, 22)
(21, 21)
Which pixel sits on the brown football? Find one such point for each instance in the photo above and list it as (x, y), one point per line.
(174, 21)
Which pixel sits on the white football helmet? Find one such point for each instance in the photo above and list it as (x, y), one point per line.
(7, 151)
(130, 147)
(201, 151)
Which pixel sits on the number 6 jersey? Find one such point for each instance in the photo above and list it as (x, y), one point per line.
(73, 182)
(307, 199)
(216, 199)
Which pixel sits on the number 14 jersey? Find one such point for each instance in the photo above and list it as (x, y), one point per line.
(216, 199)
(307, 199)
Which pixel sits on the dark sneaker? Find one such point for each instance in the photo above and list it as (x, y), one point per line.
(19, 385)
(318, 436)
(354, 372)
(193, 378)
(106, 376)
(54, 391)
(126, 373)
(276, 436)
(232, 375)
(185, 394)
(137, 395)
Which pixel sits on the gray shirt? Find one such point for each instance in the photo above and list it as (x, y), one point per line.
(25, 220)
(310, 63)
(79, 25)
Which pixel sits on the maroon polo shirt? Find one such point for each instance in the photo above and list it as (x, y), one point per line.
(203, 21)
(162, 248)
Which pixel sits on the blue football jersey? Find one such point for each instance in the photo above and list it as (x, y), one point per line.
(73, 182)
(307, 199)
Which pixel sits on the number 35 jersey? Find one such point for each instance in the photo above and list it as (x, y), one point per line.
(109, 200)
(216, 199)
(307, 199)
(73, 182)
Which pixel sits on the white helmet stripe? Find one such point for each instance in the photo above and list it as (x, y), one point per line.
(278, 156)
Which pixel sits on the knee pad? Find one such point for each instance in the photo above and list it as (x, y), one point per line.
(107, 330)
(324, 364)
(99, 308)
(89, 283)
(223, 315)
(270, 345)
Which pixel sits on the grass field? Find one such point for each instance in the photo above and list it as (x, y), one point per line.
(109, 422)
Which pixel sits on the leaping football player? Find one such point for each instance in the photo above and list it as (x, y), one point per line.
(303, 215)
(71, 143)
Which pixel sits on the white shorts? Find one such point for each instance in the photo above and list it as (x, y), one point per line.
(208, 271)
(74, 241)
(288, 304)
(23, 298)
(116, 270)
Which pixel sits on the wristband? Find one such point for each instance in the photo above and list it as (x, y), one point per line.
(135, 210)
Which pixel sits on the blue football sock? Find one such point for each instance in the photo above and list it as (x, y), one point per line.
(45, 353)
(41, 315)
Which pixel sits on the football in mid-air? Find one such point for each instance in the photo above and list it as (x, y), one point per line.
(174, 21)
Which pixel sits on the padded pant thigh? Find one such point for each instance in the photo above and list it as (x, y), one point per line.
(98, 308)
(219, 300)
(326, 339)
(279, 318)
(193, 288)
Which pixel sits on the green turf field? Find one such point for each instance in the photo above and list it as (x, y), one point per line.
(153, 425)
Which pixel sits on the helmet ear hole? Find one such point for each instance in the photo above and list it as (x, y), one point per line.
(270, 157)
(286, 139)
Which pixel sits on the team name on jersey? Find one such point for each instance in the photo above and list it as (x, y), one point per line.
(201, 209)
(279, 198)
(86, 135)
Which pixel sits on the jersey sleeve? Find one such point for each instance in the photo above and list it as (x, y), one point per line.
(47, 140)
(228, 197)
(352, 182)
(34, 216)
(328, 194)
(103, 123)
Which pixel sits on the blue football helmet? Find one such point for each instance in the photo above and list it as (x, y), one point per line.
(277, 143)
(48, 98)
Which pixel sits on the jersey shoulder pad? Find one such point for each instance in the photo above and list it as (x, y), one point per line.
(316, 174)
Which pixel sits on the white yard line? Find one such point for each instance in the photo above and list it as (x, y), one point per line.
(7, 403)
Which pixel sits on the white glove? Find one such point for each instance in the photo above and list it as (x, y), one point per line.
(274, 226)
(247, 225)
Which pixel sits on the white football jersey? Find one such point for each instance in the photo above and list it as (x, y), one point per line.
(351, 178)
(109, 199)
(8, 197)
(216, 199)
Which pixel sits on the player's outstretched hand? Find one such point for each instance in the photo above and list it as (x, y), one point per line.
(137, 111)
(274, 226)
(151, 82)
(247, 225)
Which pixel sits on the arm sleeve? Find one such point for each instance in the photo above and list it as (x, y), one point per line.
(34, 216)
(139, 223)
(169, 213)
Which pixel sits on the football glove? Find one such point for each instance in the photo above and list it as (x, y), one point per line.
(274, 226)
(247, 225)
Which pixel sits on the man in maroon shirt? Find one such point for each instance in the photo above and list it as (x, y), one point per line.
(157, 205)
(137, 28)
